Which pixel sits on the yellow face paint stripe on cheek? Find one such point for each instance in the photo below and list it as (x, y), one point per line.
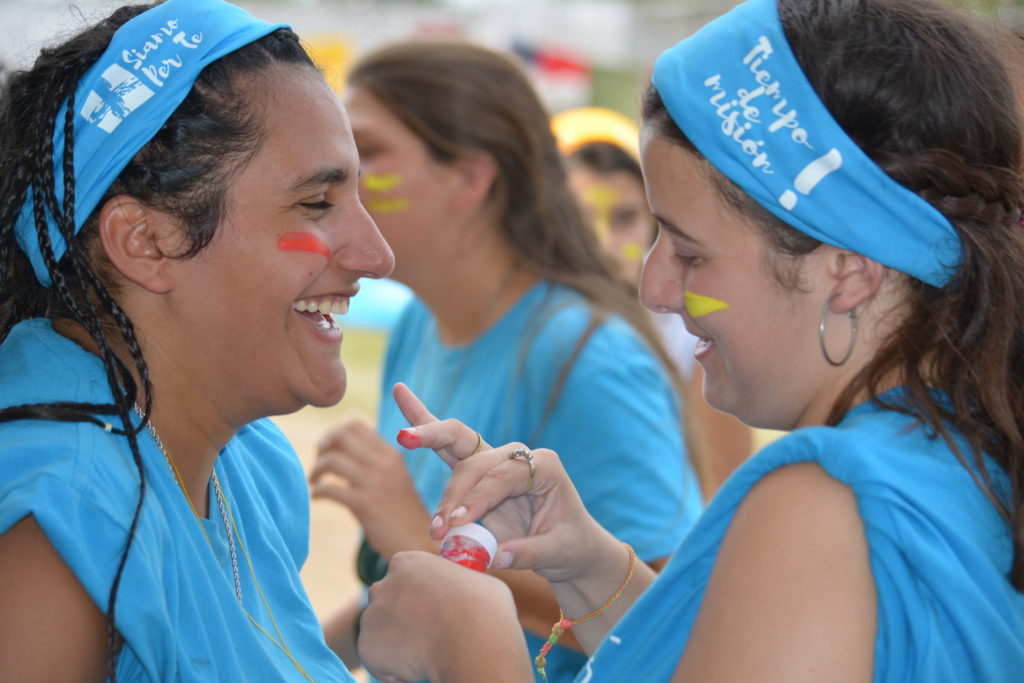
(698, 305)
(632, 252)
(387, 205)
(377, 182)
(601, 199)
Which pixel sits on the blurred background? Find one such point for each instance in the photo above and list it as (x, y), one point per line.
(577, 52)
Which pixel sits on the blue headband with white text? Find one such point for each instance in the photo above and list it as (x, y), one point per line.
(126, 97)
(737, 92)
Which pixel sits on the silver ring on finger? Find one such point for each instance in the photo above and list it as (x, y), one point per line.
(526, 455)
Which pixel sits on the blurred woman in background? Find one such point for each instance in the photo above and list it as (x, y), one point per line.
(601, 147)
(520, 326)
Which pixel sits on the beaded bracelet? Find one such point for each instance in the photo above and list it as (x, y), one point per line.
(563, 624)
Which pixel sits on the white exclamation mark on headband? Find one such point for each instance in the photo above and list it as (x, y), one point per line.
(809, 178)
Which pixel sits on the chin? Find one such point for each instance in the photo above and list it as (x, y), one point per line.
(327, 394)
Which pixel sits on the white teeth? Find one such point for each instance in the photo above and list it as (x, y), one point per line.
(702, 346)
(324, 306)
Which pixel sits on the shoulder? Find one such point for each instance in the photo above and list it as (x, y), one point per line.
(265, 472)
(792, 579)
(566, 323)
(45, 467)
(414, 314)
(38, 365)
(874, 450)
(405, 337)
(41, 592)
(265, 453)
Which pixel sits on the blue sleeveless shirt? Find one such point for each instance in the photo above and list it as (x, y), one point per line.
(939, 553)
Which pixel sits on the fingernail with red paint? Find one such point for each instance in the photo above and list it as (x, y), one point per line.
(409, 438)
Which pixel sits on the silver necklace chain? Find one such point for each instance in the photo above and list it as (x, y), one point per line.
(218, 494)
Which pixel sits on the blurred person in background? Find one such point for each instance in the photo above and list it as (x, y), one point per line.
(601, 147)
(520, 326)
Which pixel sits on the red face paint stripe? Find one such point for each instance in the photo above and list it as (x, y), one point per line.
(303, 241)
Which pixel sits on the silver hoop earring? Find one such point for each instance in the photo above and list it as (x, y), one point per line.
(821, 334)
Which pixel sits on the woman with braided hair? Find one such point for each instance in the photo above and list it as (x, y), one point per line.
(180, 223)
(837, 185)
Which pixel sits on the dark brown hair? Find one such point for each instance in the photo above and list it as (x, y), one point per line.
(460, 98)
(604, 157)
(924, 92)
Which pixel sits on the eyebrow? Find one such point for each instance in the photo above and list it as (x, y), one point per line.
(327, 176)
(667, 225)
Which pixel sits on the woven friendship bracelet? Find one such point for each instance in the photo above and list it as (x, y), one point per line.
(563, 624)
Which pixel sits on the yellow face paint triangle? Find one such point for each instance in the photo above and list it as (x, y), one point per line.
(698, 305)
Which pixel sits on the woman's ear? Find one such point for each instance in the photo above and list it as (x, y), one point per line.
(856, 278)
(477, 174)
(134, 237)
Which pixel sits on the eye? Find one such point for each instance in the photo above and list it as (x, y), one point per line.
(686, 259)
(624, 219)
(366, 152)
(316, 204)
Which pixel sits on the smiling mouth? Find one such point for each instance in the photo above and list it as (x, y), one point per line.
(322, 310)
(703, 346)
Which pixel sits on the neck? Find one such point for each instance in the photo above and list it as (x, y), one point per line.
(470, 287)
(192, 433)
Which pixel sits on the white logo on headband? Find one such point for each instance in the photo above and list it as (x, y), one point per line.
(812, 174)
(126, 92)
(125, 95)
(740, 115)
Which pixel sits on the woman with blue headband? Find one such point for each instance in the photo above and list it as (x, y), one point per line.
(837, 187)
(180, 225)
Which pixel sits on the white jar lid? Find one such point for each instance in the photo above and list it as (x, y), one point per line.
(478, 533)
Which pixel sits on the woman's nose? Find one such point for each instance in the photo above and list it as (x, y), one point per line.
(661, 280)
(365, 251)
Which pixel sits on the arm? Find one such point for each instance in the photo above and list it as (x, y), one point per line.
(455, 625)
(50, 629)
(375, 485)
(791, 589)
(615, 412)
(358, 469)
(546, 529)
(538, 604)
(340, 630)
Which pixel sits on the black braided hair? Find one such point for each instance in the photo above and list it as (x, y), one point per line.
(183, 170)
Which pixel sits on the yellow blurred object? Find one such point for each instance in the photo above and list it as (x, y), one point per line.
(332, 53)
(574, 128)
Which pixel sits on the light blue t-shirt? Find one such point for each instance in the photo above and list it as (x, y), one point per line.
(176, 606)
(615, 424)
(939, 552)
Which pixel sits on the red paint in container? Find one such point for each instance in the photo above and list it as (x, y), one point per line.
(470, 545)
